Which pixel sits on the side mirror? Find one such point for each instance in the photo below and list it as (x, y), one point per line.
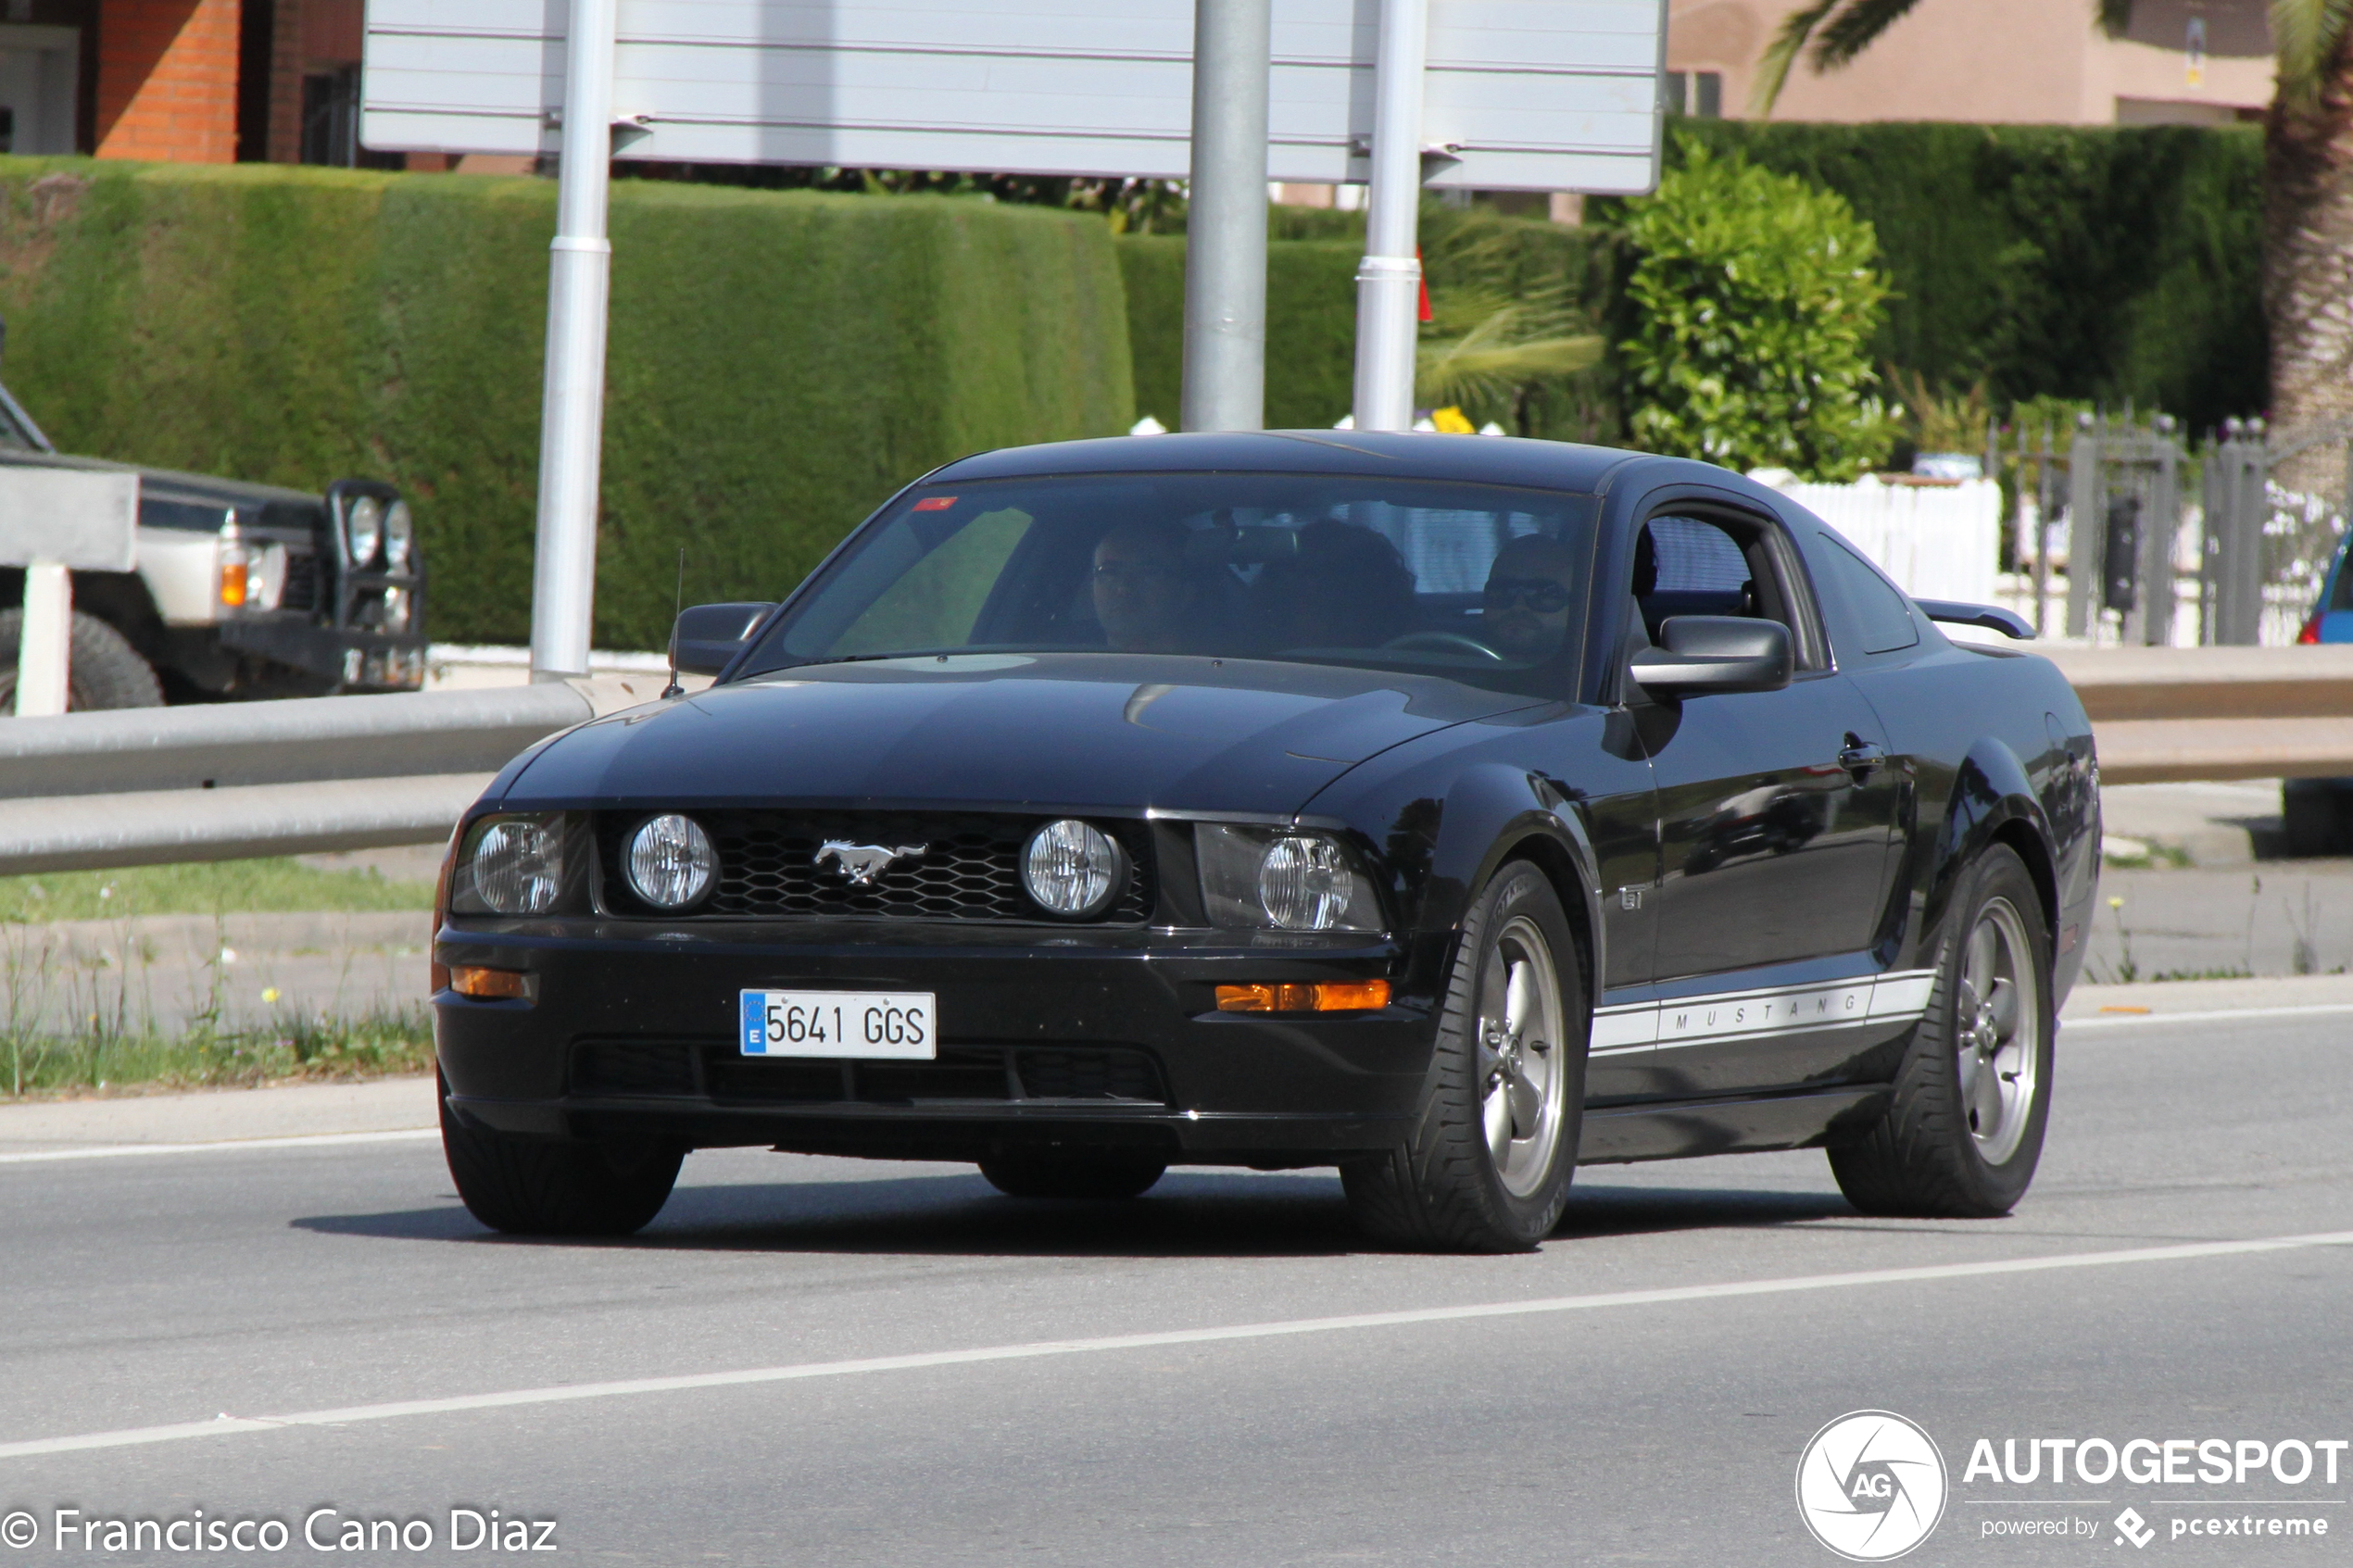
(1716, 653)
(707, 636)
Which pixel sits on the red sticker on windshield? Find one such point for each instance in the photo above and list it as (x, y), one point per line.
(934, 503)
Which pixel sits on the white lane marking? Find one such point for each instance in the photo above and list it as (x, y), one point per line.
(307, 1140)
(2221, 1015)
(227, 1424)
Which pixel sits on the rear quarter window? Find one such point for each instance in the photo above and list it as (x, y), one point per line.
(1868, 614)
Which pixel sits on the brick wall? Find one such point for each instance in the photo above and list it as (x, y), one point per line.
(168, 79)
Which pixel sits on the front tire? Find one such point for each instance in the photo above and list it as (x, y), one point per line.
(538, 1186)
(1073, 1177)
(102, 669)
(1965, 1131)
(1489, 1165)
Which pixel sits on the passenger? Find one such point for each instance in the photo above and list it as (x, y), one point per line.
(1529, 593)
(1346, 588)
(1143, 597)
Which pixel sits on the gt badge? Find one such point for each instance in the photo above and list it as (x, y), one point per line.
(861, 863)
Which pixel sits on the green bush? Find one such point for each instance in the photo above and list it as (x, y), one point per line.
(780, 361)
(2086, 262)
(1755, 303)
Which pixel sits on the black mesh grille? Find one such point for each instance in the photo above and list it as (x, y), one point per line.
(969, 867)
(993, 1073)
(301, 591)
(1087, 1074)
(632, 1067)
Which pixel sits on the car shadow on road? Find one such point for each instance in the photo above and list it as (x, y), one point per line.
(1191, 1213)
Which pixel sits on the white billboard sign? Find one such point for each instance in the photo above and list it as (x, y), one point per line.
(1523, 95)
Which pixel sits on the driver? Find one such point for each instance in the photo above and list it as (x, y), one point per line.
(1528, 596)
(1143, 597)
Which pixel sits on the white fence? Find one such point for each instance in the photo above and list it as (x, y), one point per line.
(1940, 539)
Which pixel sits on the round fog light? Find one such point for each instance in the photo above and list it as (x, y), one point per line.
(671, 863)
(1073, 868)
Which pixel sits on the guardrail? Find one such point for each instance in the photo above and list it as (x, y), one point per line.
(2165, 714)
(220, 782)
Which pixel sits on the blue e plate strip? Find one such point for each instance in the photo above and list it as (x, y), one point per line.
(755, 1022)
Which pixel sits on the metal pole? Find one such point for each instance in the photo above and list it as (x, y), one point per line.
(571, 426)
(1388, 279)
(1225, 220)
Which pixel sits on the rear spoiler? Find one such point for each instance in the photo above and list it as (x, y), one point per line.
(1991, 617)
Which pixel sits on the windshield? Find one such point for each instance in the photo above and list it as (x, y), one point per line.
(1443, 577)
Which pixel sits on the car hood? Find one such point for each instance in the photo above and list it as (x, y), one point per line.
(1058, 732)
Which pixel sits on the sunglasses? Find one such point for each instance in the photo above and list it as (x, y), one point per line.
(1539, 593)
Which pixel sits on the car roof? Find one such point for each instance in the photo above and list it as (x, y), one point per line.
(1550, 465)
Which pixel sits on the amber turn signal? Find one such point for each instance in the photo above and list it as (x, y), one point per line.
(1354, 996)
(232, 583)
(488, 985)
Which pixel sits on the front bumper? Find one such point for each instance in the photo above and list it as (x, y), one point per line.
(355, 659)
(1047, 1037)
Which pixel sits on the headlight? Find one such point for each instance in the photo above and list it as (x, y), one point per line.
(400, 536)
(363, 522)
(1073, 868)
(510, 866)
(1257, 877)
(671, 863)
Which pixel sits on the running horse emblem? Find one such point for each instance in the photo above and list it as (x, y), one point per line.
(861, 863)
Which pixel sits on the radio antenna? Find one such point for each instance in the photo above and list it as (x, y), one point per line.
(677, 608)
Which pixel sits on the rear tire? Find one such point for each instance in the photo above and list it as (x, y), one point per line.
(1965, 1131)
(103, 670)
(1089, 1177)
(538, 1186)
(1489, 1161)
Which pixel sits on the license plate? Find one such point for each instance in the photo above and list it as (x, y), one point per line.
(885, 1025)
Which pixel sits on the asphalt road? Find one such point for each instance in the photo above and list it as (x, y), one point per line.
(160, 1289)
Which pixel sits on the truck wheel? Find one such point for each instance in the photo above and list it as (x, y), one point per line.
(104, 670)
(1089, 1177)
(538, 1186)
(1965, 1131)
(1488, 1166)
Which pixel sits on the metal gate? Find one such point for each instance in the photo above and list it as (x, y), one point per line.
(2276, 511)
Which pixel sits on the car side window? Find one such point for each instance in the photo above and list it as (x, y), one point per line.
(1686, 565)
(1881, 616)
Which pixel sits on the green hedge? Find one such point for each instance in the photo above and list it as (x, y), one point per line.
(779, 361)
(2086, 262)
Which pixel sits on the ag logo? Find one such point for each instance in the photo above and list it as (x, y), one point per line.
(1870, 1485)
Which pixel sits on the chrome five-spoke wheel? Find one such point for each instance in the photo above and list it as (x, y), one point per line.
(1997, 1015)
(1520, 1058)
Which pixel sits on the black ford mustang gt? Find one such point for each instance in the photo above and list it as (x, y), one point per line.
(1454, 811)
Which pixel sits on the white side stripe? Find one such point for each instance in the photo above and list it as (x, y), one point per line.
(1745, 1015)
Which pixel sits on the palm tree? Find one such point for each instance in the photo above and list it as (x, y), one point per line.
(2308, 176)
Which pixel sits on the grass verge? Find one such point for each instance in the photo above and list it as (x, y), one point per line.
(384, 1043)
(203, 888)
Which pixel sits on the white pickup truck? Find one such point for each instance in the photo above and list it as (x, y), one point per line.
(241, 590)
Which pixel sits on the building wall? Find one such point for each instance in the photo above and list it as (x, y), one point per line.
(1998, 61)
(167, 84)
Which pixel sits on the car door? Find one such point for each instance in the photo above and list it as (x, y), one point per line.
(1777, 818)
